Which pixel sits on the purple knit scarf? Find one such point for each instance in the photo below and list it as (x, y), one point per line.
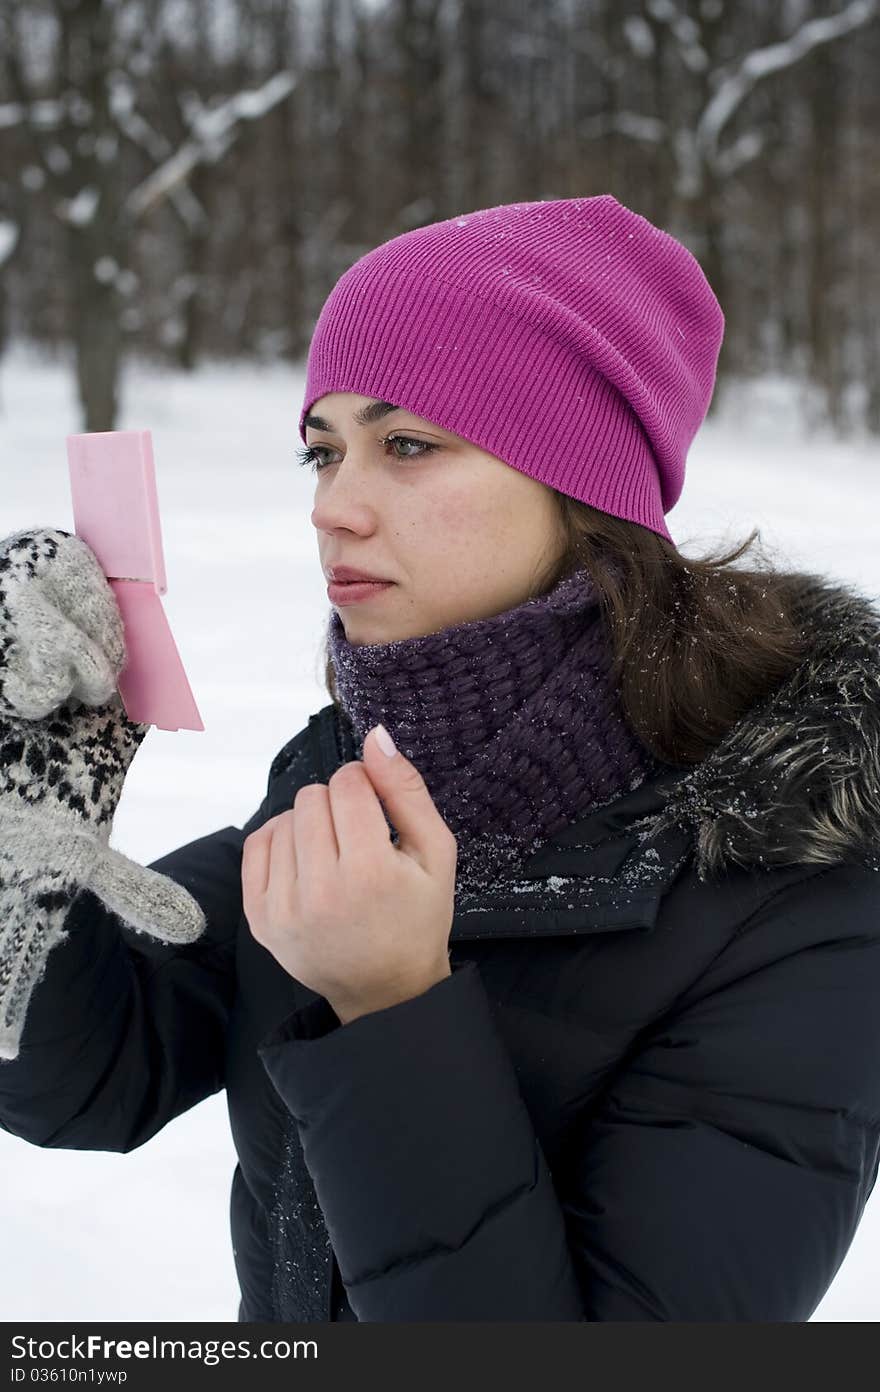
(512, 721)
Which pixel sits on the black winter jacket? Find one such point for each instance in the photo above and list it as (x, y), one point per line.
(649, 1090)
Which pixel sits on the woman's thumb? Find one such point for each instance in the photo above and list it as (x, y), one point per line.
(145, 900)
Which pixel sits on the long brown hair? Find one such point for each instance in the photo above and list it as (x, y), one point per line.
(695, 642)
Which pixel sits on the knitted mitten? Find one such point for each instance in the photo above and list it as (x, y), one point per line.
(66, 744)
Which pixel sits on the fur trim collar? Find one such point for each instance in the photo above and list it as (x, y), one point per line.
(797, 779)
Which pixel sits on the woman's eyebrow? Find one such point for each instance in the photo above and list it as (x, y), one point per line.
(366, 416)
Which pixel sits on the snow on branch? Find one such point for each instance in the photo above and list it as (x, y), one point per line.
(740, 152)
(154, 144)
(80, 210)
(630, 123)
(8, 240)
(212, 133)
(44, 113)
(762, 62)
(11, 114)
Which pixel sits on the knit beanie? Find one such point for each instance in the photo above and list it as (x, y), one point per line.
(513, 721)
(570, 338)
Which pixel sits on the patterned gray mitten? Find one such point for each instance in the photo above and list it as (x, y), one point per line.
(66, 744)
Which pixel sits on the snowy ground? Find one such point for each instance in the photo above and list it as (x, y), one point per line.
(145, 1236)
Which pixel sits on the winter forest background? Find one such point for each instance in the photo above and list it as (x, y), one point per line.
(182, 182)
(187, 178)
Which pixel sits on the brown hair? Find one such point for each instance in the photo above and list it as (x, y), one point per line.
(695, 642)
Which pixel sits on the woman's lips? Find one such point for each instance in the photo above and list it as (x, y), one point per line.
(355, 590)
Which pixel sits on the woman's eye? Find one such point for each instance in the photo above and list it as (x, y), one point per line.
(314, 454)
(406, 440)
(310, 456)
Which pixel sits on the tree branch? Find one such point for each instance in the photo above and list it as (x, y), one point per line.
(765, 61)
(213, 132)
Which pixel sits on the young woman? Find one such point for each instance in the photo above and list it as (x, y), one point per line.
(566, 1009)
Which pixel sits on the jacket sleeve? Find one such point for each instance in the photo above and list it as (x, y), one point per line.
(124, 1032)
(720, 1177)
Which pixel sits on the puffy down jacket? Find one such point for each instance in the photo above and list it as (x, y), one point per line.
(649, 1089)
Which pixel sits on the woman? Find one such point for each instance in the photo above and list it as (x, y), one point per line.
(568, 1009)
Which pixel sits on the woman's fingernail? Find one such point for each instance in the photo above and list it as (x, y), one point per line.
(384, 741)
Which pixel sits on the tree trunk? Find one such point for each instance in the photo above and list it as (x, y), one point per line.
(195, 257)
(96, 335)
(96, 241)
(824, 360)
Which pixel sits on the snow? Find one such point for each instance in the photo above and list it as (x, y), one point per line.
(639, 36)
(8, 239)
(57, 159)
(80, 210)
(105, 270)
(47, 113)
(32, 177)
(145, 1236)
(11, 114)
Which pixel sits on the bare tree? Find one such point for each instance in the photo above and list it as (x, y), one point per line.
(238, 155)
(74, 113)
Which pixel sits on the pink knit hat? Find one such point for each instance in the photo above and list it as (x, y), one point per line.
(571, 338)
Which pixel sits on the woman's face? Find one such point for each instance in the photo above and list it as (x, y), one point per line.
(460, 533)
